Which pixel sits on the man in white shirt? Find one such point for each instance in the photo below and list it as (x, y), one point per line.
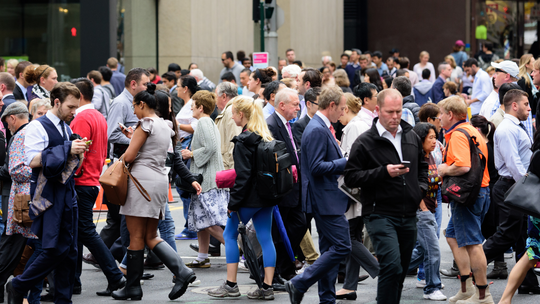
(505, 72)
(367, 92)
(482, 86)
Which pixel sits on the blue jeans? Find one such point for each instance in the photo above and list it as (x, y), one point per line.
(427, 250)
(166, 231)
(438, 218)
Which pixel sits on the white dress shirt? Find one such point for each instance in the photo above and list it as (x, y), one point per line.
(324, 118)
(367, 116)
(37, 139)
(185, 117)
(352, 130)
(489, 104)
(512, 148)
(85, 107)
(396, 141)
(481, 89)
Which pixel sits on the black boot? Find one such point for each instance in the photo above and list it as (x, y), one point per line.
(133, 290)
(13, 296)
(172, 260)
(500, 271)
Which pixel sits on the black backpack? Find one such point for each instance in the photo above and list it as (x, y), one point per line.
(464, 189)
(274, 178)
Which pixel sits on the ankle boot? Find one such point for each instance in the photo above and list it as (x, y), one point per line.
(452, 272)
(469, 292)
(475, 299)
(133, 290)
(172, 260)
(500, 271)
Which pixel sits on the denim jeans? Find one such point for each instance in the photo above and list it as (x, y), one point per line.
(438, 218)
(427, 250)
(86, 197)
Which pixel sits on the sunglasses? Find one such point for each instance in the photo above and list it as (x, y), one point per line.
(500, 71)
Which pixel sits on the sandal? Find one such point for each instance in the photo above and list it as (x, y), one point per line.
(199, 264)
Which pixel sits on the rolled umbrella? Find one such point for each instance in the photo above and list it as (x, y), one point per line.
(283, 233)
(249, 253)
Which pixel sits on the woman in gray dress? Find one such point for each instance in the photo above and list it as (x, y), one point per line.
(146, 154)
(207, 211)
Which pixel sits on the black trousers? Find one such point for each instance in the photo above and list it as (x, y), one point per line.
(491, 222)
(111, 231)
(11, 250)
(295, 225)
(512, 230)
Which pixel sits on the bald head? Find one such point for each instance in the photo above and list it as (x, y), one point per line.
(388, 94)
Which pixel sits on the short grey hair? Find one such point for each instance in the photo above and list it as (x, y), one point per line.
(442, 66)
(292, 69)
(228, 88)
(38, 104)
(283, 96)
(197, 73)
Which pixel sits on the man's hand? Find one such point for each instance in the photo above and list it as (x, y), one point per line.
(186, 154)
(197, 187)
(442, 169)
(397, 170)
(78, 146)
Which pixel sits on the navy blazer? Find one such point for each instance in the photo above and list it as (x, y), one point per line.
(322, 164)
(280, 132)
(437, 90)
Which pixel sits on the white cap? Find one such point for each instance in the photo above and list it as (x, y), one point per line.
(508, 66)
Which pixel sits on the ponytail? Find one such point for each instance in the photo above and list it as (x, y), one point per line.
(254, 114)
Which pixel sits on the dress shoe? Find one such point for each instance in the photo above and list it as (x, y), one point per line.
(13, 296)
(295, 296)
(88, 258)
(278, 287)
(347, 296)
(77, 290)
(47, 298)
(147, 276)
(363, 278)
(212, 250)
(112, 287)
(525, 289)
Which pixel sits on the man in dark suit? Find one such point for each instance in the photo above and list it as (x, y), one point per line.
(321, 197)
(445, 71)
(287, 105)
(20, 89)
(7, 85)
(311, 97)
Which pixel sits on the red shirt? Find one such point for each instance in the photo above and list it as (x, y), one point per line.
(91, 124)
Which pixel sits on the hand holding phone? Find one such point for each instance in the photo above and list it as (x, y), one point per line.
(406, 163)
(122, 126)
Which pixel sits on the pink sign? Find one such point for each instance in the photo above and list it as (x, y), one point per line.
(260, 60)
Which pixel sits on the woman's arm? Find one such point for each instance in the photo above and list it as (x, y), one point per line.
(186, 128)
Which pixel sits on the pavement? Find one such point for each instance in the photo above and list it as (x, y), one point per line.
(156, 290)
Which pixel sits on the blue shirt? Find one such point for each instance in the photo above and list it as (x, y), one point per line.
(268, 110)
(407, 116)
(481, 89)
(512, 148)
(383, 68)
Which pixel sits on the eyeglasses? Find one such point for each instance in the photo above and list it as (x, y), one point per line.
(433, 118)
(313, 103)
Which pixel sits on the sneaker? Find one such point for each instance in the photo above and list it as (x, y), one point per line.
(301, 270)
(421, 284)
(195, 283)
(262, 294)
(437, 295)
(199, 264)
(224, 291)
(508, 255)
(185, 236)
(242, 266)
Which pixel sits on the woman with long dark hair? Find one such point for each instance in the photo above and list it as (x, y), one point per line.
(372, 76)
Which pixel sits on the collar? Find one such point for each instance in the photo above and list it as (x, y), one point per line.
(6, 95)
(382, 129)
(172, 89)
(85, 107)
(512, 118)
(128, 95)
(53, 118)
(365, 110)
(324, 118)
(283, 120)
(198, 83)
(455, 125)
(23, 88)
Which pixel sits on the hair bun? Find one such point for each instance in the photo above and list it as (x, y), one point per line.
(151, 88)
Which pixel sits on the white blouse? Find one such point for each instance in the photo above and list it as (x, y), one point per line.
(352, 130)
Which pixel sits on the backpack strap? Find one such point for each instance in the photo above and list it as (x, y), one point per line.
(472, 143)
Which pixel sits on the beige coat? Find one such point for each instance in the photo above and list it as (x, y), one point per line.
(497, 118)
(227, 129)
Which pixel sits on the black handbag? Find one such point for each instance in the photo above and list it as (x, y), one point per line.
(524, 195)
(464, 189)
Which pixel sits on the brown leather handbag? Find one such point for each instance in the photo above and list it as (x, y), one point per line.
(115, 183)
(21, 207)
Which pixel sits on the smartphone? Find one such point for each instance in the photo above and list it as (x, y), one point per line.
(406, 163)
(122, 126)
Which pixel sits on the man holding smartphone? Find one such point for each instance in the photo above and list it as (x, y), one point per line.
(387, 162)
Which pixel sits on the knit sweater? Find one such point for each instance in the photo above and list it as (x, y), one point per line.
(206, 149)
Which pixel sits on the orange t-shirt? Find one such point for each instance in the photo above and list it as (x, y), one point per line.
(458, 151)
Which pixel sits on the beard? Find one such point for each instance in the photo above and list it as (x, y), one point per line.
(64, 116)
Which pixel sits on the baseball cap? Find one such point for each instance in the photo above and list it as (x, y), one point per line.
(459, 43)
(507, 66)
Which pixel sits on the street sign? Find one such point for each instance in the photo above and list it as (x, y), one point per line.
(260, 60)
(535, 12)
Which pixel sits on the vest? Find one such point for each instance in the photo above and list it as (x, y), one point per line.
(55, 139)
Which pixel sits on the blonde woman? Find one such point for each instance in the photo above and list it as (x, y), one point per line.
(425, 64)
(246, 203)
(354, 126)
(10, 67)
(526, 66)
(457, 71)
(342, 80)
(39, 107)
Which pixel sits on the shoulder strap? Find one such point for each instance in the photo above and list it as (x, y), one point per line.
(135, 181)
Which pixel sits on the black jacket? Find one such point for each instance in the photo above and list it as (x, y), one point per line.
(180, 168)
(18, 93)
(298, 129)
(279, 132)
(243, 193)
(528, 90)
(399, 196)
(409, 103)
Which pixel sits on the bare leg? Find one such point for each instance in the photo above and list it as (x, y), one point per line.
(232, 271)
(461, 256)
(478, 263)
(269, 275)
(517, 275)
(217, 232)
(204, 240)
(152, 238)
(137, 231)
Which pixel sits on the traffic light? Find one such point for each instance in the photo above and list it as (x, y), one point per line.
(256, 10)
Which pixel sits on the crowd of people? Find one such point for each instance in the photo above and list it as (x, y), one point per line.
(393, 133)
